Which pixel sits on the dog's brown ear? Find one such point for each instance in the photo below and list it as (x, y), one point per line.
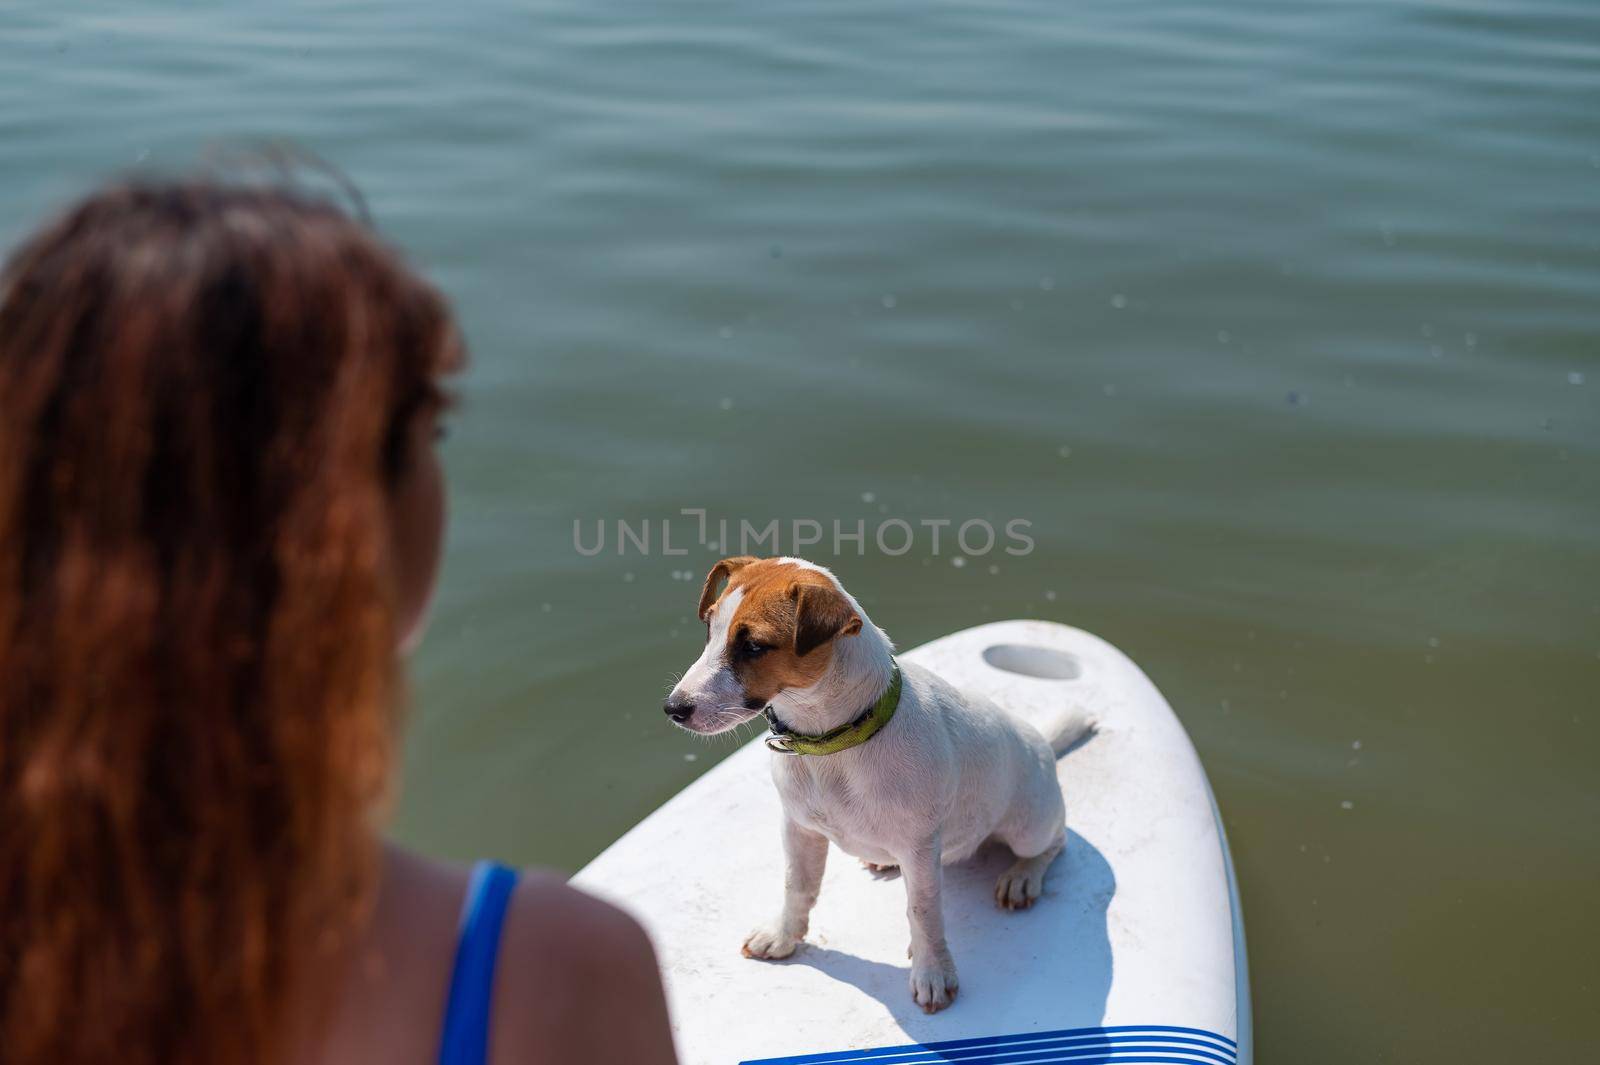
(726, 568)
(821, 612)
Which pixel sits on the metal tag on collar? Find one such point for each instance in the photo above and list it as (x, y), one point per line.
(776, 742)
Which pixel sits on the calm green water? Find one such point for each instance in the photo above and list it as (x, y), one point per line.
(1278, 322)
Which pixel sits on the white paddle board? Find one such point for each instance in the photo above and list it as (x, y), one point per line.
(1134, 954)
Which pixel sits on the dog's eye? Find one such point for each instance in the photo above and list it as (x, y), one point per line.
(752, 649)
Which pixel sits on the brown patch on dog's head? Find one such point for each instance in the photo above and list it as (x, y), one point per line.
(726, 568)
(821, 612)
(782, 631)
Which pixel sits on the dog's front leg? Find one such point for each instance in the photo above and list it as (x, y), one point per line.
(805, 856)
(933, 970)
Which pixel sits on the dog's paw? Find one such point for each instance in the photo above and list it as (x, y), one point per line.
(1019, 886)
(769, 944)
(934, 983)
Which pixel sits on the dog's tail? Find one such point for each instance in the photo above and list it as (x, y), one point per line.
(1067, 728)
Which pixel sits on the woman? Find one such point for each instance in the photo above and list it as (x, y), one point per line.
(220, 520)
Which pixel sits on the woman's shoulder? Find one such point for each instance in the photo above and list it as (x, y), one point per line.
(548, 924)
(577, 978)
(550, 917)
(574, 978)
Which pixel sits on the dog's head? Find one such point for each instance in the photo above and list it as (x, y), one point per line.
(770, 629)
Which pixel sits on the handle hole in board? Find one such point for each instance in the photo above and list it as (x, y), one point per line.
(1030, 660)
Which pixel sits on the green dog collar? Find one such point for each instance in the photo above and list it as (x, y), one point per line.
(857, 732)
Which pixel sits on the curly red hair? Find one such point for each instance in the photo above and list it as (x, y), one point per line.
(206, 395)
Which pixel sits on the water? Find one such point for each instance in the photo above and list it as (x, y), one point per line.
(1277, 321)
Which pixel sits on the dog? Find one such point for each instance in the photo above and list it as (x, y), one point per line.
(885, 760)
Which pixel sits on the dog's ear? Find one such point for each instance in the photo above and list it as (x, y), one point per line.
(821, 612)
(726, 568)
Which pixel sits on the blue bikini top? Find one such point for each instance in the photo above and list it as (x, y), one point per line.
(465, 1039)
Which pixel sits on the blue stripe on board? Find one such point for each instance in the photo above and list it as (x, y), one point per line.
(1017, 1050)
(1066, 1044)
(1102, 1052)
(1116, 1056)
(1120, 1059)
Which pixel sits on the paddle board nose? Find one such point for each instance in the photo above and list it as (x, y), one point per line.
(1135, 953)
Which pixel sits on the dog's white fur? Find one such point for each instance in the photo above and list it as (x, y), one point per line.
(948, 772)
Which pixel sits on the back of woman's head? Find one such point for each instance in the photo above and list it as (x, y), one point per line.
(206, 395)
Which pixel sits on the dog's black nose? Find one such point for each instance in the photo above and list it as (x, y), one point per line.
(677, 710)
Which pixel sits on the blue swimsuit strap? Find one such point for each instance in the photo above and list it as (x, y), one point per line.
(465, 1039)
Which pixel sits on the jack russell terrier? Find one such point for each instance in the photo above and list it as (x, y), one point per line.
(894, 765)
